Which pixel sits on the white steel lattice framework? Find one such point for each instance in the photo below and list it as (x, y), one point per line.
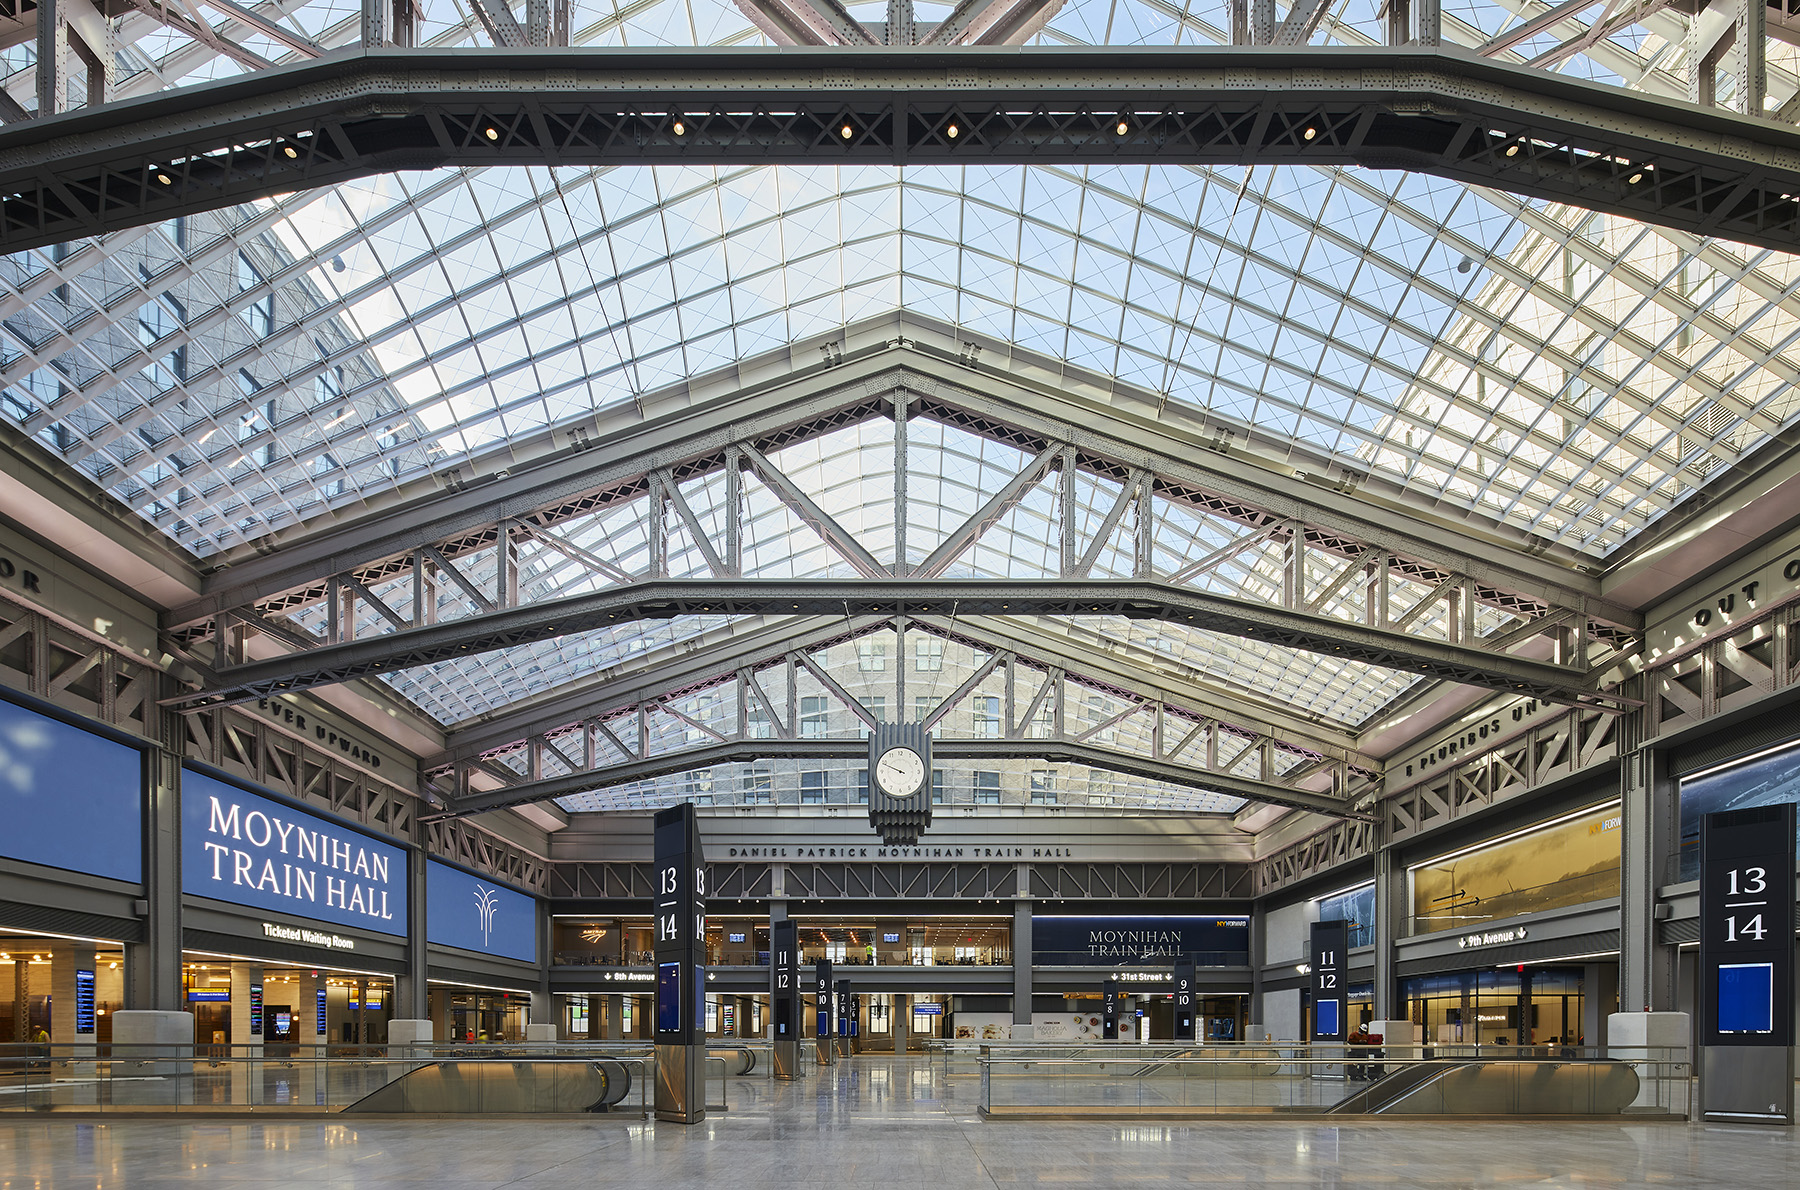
(1559, 380)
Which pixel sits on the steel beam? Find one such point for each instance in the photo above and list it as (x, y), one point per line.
(806, 22)
(1145, 677)
(750, 751)
(1432, 109)
(665, 673)
(667, 599)
(993, 22)
(272, 29)
(496, 17)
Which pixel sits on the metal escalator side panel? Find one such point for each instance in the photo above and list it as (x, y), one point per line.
(1382, 1093)
(480, 1088)
(1514, 1088)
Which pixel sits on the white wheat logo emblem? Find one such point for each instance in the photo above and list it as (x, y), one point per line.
(485, 904)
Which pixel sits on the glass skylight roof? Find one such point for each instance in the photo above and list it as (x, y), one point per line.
(273, 368)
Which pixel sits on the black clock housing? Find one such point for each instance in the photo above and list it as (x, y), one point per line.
(900, 820)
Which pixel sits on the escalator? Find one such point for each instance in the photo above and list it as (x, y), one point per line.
(1389, 1089)
(510, 1088)
(1498, 1087)
(1224, 1061)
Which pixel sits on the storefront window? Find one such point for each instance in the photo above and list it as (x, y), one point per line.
(31, 965)
(602, 942)
(1532, 1006)
(1571, 861)
(477, 1016)
(299, 1006)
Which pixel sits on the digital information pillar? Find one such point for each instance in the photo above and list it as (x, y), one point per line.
(1746, 972)
(1330, 941)
(680, 967)
(1109, 1010)
(1184, 1000)
(842, 1001)
(784, 997)
(824, 1026)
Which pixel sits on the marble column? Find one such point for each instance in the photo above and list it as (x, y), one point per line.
(64, 962)
(243, 1041)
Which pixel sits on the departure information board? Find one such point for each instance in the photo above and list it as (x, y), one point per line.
(84, 1002)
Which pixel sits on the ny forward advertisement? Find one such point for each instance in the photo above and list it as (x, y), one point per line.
(257, 852)
(471, 913)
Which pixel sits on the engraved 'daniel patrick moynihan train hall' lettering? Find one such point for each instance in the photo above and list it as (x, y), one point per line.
(310, 864)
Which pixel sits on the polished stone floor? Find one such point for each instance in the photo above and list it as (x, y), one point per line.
(878, 1122)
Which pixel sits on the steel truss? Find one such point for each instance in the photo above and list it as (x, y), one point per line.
(670, 443)
(454, 581)
(627, 735)
(524, 622)
(1431, 109)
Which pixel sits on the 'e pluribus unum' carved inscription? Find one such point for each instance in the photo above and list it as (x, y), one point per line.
(306, 876)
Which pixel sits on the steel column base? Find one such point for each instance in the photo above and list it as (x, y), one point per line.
(1747, 1084)
(681, 1083)
(787, 1059)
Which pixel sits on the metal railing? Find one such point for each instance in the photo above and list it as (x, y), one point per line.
(1133, 1080)
(141, 1078)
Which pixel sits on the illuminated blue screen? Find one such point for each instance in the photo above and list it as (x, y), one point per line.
(1746, 997)
(668, 998)
(1326, 1024)
(53, 775)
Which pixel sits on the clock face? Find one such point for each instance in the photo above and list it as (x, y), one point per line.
(899, 772)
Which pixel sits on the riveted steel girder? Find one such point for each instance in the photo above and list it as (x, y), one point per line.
(1432, 109)
(665, 599)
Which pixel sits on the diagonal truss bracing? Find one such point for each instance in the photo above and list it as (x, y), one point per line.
(677, 445)
(632, 730)
(1337, 580)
